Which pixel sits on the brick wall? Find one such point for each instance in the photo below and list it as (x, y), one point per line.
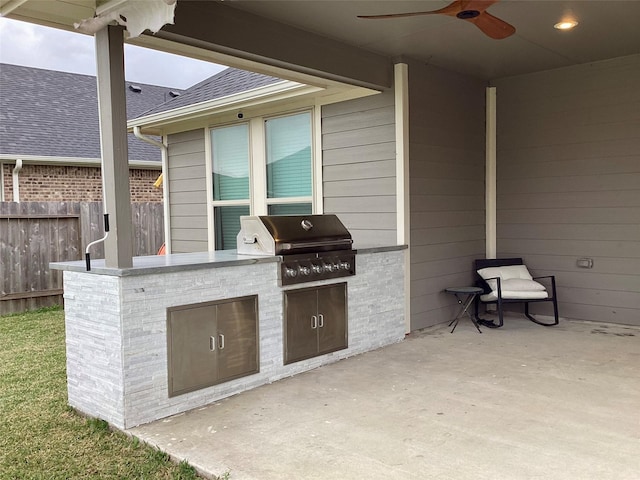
(52, 183)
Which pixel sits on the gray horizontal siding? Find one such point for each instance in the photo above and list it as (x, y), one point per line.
(446, 188)
(359, 154)
(368, 204)
(373, 169)
(569, 183)
(359, 167)
(187, 192)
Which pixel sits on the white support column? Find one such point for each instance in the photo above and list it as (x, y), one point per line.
(318, 186)
(113, 140)
(401, 86)
(490, 174)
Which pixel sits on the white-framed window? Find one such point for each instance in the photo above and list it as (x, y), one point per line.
(261, 166)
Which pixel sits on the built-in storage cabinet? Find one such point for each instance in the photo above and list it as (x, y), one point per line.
(212, 342)
(315, 321)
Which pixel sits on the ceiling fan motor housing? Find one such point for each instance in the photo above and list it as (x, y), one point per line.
(467, 14)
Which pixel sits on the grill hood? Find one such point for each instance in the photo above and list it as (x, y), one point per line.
(292, 234)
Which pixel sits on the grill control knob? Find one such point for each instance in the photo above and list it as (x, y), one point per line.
(316, 268)
(345, 265)
(328, 267)
(304, 270)
(291, 272)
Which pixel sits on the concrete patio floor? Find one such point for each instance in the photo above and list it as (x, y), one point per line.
(521, 402)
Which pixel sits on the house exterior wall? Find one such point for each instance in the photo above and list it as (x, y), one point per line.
(64, 183)
(568, 175)
(359, 182)
(188, 197)
(446, 168)
(359, 167)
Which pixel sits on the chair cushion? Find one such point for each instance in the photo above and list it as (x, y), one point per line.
(506, 272)
(520, 285)
(510, 295)
(515, 282)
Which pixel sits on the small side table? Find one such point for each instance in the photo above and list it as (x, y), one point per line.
(465, 303)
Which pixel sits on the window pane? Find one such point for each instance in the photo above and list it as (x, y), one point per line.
(227, 221)
(230, 153)
(290, 209)
(288, 147)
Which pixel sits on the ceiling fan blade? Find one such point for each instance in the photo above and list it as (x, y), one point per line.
(473, 11)
(395, 15)
(492, 26)
(450, 9)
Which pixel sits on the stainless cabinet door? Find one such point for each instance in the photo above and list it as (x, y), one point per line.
(237, 338)
(191, 348)
(332, 315)
(301, 325)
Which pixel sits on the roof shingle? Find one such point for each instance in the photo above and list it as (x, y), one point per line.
(227, 82)
(55, 114)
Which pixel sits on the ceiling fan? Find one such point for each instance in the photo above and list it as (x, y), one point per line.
(474, 11)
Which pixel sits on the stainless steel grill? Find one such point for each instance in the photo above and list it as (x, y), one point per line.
(313, 247)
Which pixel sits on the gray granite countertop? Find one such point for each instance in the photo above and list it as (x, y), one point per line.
(188, 261)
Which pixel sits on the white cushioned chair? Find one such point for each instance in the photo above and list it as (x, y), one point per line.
(507, 280)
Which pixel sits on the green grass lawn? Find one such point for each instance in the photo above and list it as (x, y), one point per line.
(41, 437)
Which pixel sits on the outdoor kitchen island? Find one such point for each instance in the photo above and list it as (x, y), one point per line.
(117, 334)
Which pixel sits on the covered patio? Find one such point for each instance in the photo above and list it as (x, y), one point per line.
(470, 148)
(521, 402)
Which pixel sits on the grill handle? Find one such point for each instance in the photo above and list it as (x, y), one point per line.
(307, 245)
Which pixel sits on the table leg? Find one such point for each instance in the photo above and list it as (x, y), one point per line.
(465, 311)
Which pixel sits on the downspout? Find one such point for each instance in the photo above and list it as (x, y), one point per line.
(1, 182)
(16, 180)
(165, 183)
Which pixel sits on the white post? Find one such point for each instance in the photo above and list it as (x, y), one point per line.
(401, 85)
(490, 174)
(113, 139)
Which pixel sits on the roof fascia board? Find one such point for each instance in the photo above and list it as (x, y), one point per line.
(74, 161)
(270, 93)
(262, 109)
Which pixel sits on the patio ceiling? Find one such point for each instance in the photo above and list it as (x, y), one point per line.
(607, 29)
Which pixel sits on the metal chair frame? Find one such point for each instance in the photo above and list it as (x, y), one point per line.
(482, 283)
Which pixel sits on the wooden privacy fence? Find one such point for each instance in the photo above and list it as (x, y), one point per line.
(33, 234)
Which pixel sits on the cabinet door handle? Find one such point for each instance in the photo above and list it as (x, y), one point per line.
(221, 344)
(212, 344)
(314, 322)
(320, 320)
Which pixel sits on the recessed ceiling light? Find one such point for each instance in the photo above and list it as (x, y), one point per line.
(565, 25)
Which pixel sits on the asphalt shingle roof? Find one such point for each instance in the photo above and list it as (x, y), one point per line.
(227, 82)
(55, 114)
